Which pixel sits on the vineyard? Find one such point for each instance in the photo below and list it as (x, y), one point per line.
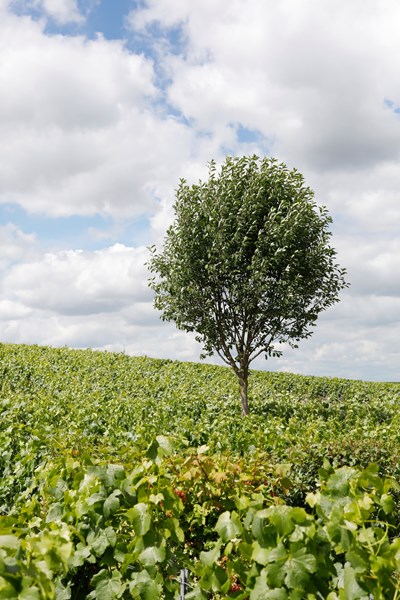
(118, 472)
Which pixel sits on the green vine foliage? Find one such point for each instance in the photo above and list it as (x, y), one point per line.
(117, 472)
(104, 531)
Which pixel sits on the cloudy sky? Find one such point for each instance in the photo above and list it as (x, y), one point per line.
(105, 104)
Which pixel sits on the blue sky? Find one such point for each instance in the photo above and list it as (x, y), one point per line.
(105, 104)
(105, 16)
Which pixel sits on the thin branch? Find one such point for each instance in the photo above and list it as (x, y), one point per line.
(228, 357)
(226, 360)
(263, 349)
(226, 300)
(266, 346)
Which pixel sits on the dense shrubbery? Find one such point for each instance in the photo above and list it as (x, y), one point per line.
(105, 531)
(118, 471)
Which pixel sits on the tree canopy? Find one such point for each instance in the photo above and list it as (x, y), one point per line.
(247, 263)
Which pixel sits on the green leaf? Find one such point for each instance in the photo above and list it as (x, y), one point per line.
(279, 553)
(352, 589)
(105, 538)
(358, 559)
(263, 531)
(81, 555)
(304, 561)
(165, 445)
(282, 518)
(113, 475)
(111, 504)
(33, 593)
(152, 555)
(276, 573)
(259, 554)
(140, 518)
(211, 557)
(95, 498)
(215, 579)
(242, 503)
(228, 526)
(107, 586)
(262, 591)
(276, 569)
(144, 587)
(340, 535)
(387, 503)
(9, 541)
(299, 567)
(160, 447)
(55, 513)
(7, 590)
(62, 592)
(338, 482)
(196, 594)
(369, 478)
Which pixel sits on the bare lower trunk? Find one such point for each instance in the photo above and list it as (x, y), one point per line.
(243, 388)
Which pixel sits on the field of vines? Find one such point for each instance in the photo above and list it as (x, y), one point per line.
(118, 472)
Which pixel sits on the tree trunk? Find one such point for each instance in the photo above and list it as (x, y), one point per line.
(243, 388)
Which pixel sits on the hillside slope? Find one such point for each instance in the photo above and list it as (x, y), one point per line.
(117, 472)
(95, 400)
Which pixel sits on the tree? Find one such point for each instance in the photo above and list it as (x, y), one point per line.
(246, 263)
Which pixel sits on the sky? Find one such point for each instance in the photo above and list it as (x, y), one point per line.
(106, 104)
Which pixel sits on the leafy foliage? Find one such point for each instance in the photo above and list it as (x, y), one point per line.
(117, 472)
(102, 531)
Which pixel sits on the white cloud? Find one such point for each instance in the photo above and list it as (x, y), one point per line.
(81, 283)
(94, 299)
(313, 77)
(13, 311)
(68, 83)
(363, 348)
(62, 12)
(369, 199)
(15, 244)
(373, 265)
(111, 332)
